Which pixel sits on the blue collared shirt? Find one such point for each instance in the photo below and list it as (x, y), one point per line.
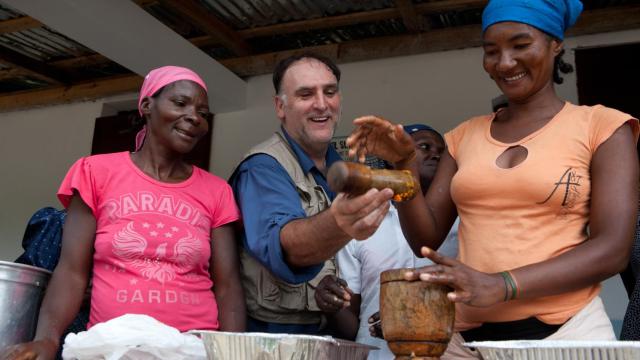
(268, 200)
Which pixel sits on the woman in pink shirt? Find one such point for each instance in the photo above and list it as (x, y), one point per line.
(546, 192)
(152, 232)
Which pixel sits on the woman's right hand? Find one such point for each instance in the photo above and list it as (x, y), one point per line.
(379, 137)
(469, 286)
(34, 350)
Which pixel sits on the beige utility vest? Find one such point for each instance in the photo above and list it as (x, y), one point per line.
(268, 298)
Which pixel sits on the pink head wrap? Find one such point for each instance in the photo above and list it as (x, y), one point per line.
(158, 78)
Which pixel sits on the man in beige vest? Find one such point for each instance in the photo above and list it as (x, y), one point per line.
(293, 223)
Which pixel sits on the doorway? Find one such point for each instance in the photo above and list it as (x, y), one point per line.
(609, 75)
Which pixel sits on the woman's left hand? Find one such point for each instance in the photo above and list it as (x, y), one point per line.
(470, 287)
(379, 137)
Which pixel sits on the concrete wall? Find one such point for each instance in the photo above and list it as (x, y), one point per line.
(442, 89)
(36, 149)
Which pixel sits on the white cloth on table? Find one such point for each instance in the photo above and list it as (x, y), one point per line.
(132, 336)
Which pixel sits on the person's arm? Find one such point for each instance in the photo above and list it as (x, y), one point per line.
(614, 194)
(340, 305)
(427, 220)
(317, 238)
(224, 268)
(65, 291)
(269, 203)
(346, 322)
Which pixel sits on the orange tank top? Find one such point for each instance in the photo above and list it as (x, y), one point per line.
(534, 211)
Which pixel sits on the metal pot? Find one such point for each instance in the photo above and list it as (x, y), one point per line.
(21, 291)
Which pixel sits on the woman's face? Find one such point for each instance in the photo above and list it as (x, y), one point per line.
(177, 117)
(519, 58)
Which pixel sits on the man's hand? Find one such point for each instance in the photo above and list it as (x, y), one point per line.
(360, 216)
(314, 239)
(332, 294)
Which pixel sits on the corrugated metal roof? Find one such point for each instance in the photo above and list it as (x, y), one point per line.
(456, 18)
(328, 36)
(41, 44)
(241, 14)
(47, 46)
(7, 12)
(174, 21)
(244, 14)
(21, 83)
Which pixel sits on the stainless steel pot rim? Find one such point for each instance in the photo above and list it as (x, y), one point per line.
(15, 266)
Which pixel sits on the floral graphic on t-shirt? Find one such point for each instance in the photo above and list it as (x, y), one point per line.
(130, 247)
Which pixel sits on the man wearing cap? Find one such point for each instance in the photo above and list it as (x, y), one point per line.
(361, 262)
(293, 223)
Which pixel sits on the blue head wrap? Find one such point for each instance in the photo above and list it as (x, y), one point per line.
(551, 16)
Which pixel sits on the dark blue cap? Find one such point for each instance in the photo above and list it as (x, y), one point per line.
(410, 129)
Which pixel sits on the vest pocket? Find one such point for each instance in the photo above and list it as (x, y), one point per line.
(278, 295)
(312, 198)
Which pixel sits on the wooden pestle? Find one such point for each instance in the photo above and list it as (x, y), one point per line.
(356, 179)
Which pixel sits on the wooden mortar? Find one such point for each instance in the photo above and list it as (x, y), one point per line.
(416, 317)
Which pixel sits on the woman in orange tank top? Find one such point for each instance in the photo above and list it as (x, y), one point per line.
(546, 192)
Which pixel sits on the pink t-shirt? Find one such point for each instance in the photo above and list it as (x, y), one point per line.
(152, 244)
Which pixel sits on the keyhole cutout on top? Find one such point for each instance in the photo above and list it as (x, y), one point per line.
(512, 157)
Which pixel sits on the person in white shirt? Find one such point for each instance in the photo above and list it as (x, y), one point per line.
(350, 300)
